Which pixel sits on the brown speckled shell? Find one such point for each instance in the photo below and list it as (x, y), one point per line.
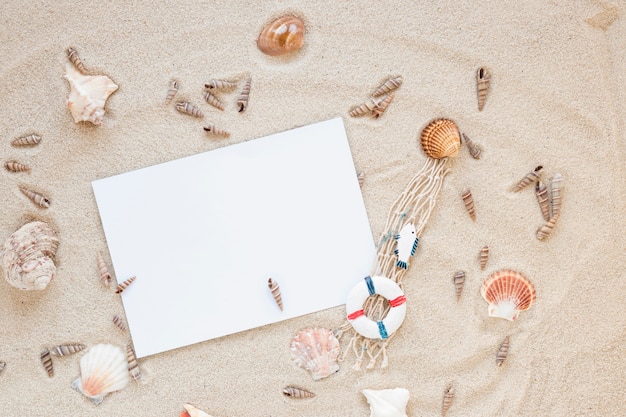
(440, 139)
(282, 36)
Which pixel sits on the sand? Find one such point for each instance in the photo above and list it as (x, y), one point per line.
(557, 99)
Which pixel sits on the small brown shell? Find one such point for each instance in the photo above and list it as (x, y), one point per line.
(546, 230)
(190, 109)
(440, 139)
(556, 185)
(298, 393)
(244, 96)
(213, 101)
(468, 200)
(448, 397)
(282, 36)
(46, 361)
(389, 85)
(36, 198)
(382, 106)
(531, 177)
(474, 149)
(367, 107)
(220, 85)
(119, 323)
(121, 287)
(483, 257)
(171, 92)
(133, 366)
(30, 140)
(215, 131)
(275, 289)
(361, 178)
(459, 281)
(72, 55)
(541, 191)
(483, 78)
(64, 350)
(105, 276)
(14, 166)
(508, 293)
(503, 351)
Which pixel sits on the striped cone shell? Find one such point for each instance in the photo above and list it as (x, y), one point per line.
(119, 323)
(64, 350)
(503, 351)
(459, 282)
(122, 286)
(448, 397)
(508, 293)
(298, 393)
(29, 140)
(468, 200)
(190, 109)
(219, 85)
(133, 366)
(72, 55)
(389, 85)
(273, 286)
(105, 276)
(171, 92)
(483, 79)
(531, 177)
(541, 191)
(14, 166)
(361, 178)
(36, 198)
(46, 361)
(484, 257)
(546, 230)
(211, 129)
(440, 139)
(382, 106)
(367, 107)
(474, 149)
(244, 96)
(556, 185)
(213, 101)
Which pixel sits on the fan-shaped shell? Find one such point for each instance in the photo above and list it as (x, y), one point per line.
(283, 35)
(102, 370)
(441, 138)
(508, 293)
(27, 257)
(316, 350)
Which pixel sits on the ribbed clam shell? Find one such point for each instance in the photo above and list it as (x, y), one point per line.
(389, 85)
(299, 393)
(219, 85)
(474, 149)
(27, 256)
(448, 397)
(483, 79)
(503, 351)
(15, 166)
(122, 286)
(213, 101)
(211, 129)
(72, 55)
(316, 350)
(102, 370)
(190, 109)
(541, 191)
(531, 177)
(382, 106)
(468, 200)
(244, 96)
(459, 282)
(483, 257)
(275, 289)
(105, 277)
(508, 293)
(440, 139)
(282, 36)
(64, 350)
(46, 361)
(546, 230)
(133, 366)
(171, 92)
(36, 198)
(556, 186)
(30, 140)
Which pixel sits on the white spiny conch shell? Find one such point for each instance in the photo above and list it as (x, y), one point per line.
(102, 370)
(316, 350)
(387, 402)
(88, 95)
(194, 412)
(27, 257)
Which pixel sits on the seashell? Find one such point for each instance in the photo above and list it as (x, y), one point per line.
(298, 393)
(194, 412)
(282, 36)
(213, 101)
(531, 177)
(46, 361)
(190, 109)
(474, 149)
(30, 140)
(387, 402)
(556, 185)
(15, 166)
(459, 281)
(216, 131)
(105, 276)
(219, 85)
(273, 286)
(2, 366)
(119, 323)
(541, 191)
(484, 257)
(361, 178)
(36, 198)
(468, 200)
(389, 85)
(508, 293)
(171, 92)
(122, 286)
(27, 257)
(64, 350)
(483, 78)
(88, 95)
(546, 230)
(367, 107)
(503, 351)
(242, 100)
(102, 370)
(440, 139)
(382, 106)
(133, 366)
(316, 350)
(72, 55)
(448, 397)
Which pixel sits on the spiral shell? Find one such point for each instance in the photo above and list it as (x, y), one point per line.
(190, 109)
(27, 257)
(30, 140)
(282, 36)
(14, 166)
(211, 129)
(546, 230)
(361, 178)
(171, 92)
(119, 323)
(46, 361)
(36, 198)
(219, 85)
(448, 397)
(298, 393)
(105, 276)
(508, 293)
(213, 101)
(474, 149)
(440, 139)
(133, 366)
(483, 79)
(459, 282)
(72, 55)
(367, 107)
(389, 85)
(503, 351)
(244, 96)
(531, 177)
(556, 185)
(122, 286)
(316, 350)
(541, 191)
(64, 350)
(382, 106)
(468, 200)
(483, 257)
(275, 289)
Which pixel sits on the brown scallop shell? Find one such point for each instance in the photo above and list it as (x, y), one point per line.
(508, 293)
(282, 36)
(441, 138)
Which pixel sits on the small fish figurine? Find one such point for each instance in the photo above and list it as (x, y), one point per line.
(389, 85)
(298, 393)
(121, 287)
(273, 286)
(407, 241)
(133, 366)
(46, 361)
(459, 281)
(503, 351)
(64, 350)
(171, 92)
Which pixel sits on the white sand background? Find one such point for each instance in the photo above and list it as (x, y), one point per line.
(557, 99)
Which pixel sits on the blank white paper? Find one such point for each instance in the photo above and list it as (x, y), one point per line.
(204, 233)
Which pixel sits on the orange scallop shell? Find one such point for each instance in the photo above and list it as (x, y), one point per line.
(508, 293)
(283, 35)
(441, 138)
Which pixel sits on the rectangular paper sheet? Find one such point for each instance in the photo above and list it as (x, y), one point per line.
(204, 233)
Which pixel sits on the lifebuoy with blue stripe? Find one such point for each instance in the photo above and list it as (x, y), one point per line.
(376, 329)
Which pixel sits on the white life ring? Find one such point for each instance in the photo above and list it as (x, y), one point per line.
(376, 329)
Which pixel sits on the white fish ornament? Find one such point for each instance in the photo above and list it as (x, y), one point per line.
(407, 245)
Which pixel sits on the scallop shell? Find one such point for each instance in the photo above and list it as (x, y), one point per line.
(102, 370)
(483, 257)
(316, 350)
(190, 109)
(468, 200)
(27, 257)
(219, 85)
(282, 36)
(441, 138)
(122, 286)
(133, 366)
(298, 393)
(119, 323)
(483, 79)
(448, 397)
(508, 293)
(387, 402)
(171, 92)
(194, 412)
(105, 276)
(30, 140)
(36, 198)
(541, 191)
(531, 177)
(211, 129)
(382, 106)
(88, 95)
(15, 166)
(72, 55)
(503, 351)
(389, 85)
(459, 281)
(244, 96)
(213, 101)
(474, 149)
(275, 289)
(64, 350)
(46, 361)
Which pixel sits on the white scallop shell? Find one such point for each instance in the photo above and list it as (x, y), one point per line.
(387, 402)
(316, 350)
(88, 95)
(103, 370)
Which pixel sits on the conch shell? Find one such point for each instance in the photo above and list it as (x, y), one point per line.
(283, 35)
(88, 95)
(27, 257)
